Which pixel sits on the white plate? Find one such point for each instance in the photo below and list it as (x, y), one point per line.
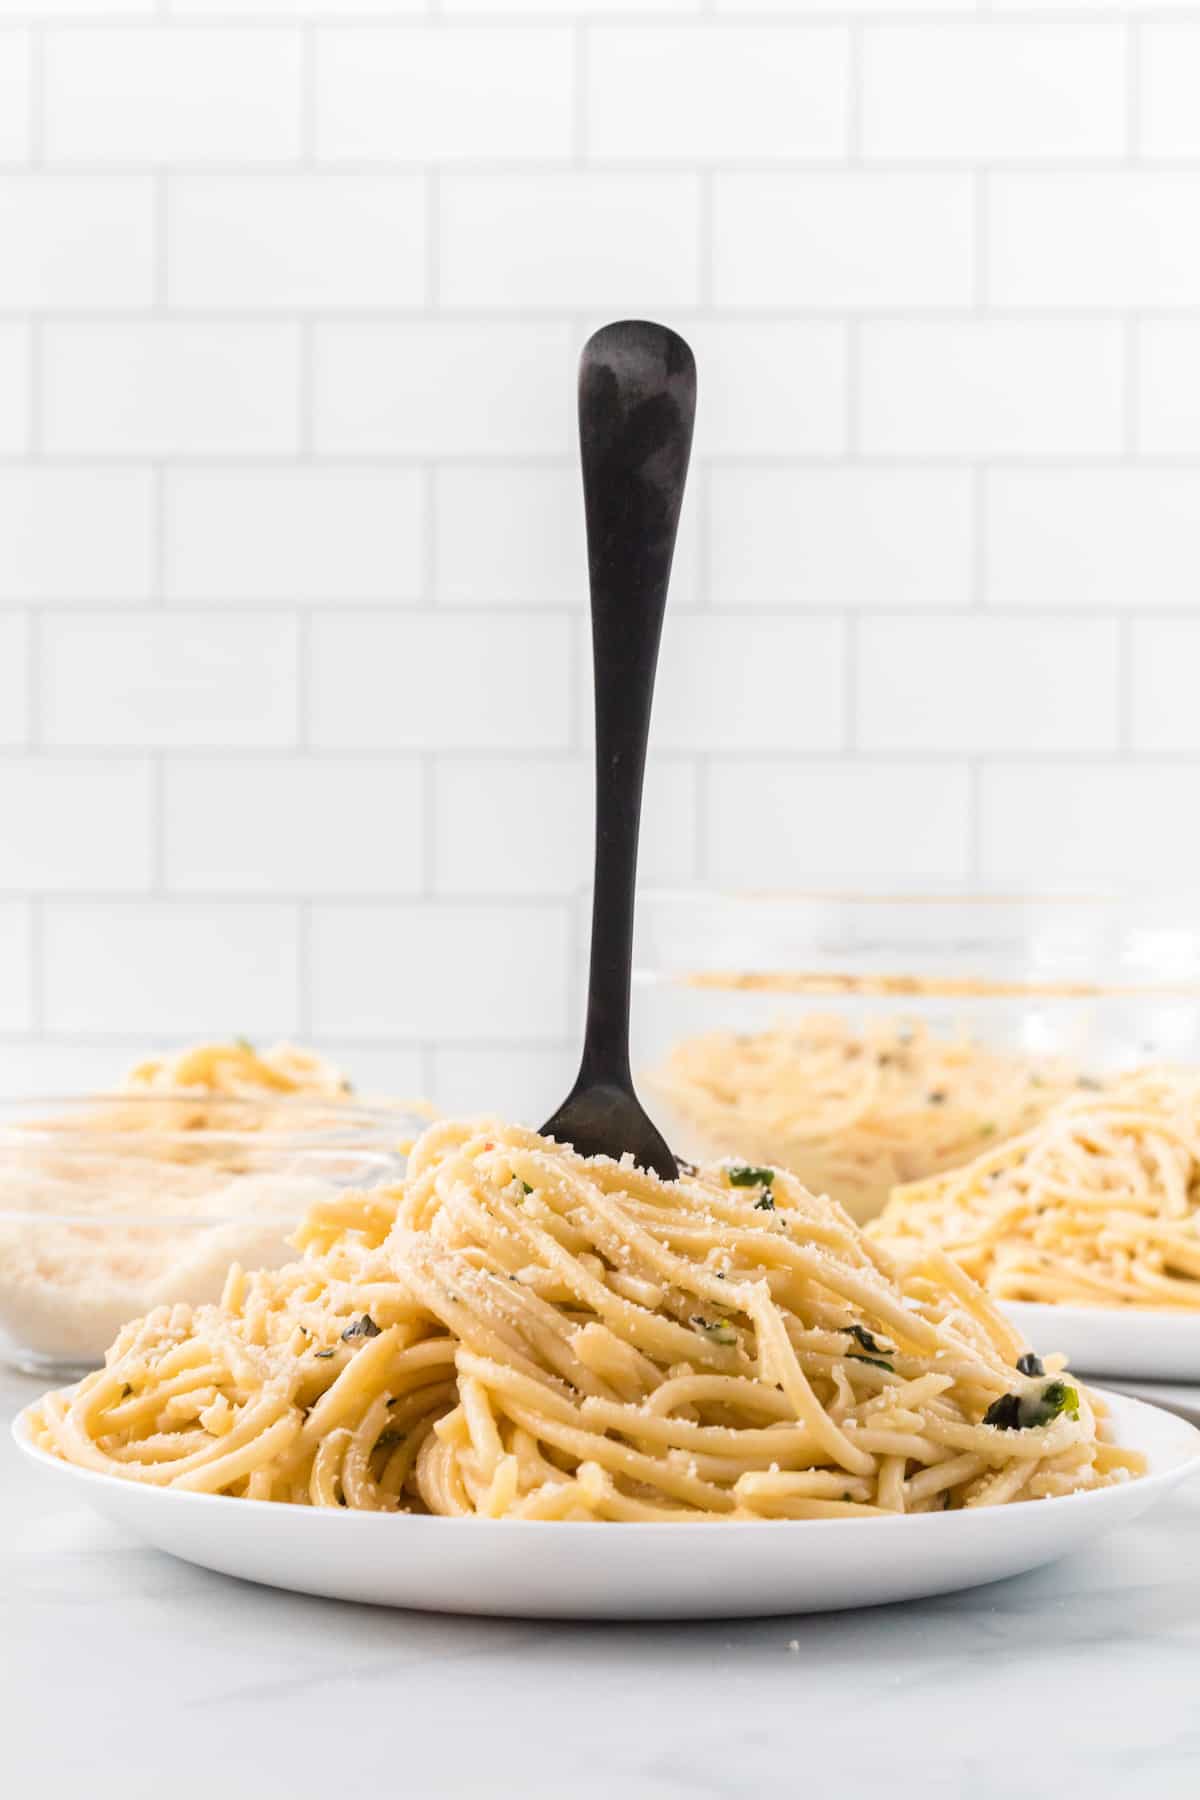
(524, 1568)
(1115, 1341)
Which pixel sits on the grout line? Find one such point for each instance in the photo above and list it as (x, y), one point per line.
(705, 15)
(383, 900)
(364, 1040)
(559, 159)
(836, 457)
(505, 315)
(361, 613)
(810, 756)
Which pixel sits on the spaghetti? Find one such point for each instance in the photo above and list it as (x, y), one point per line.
(854, 1115)
(518, 1332)
(238, 1068)
(1098, 1205)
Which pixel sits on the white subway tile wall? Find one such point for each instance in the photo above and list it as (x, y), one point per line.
(294, 667)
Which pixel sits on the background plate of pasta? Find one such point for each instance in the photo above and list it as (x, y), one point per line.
(1085, 1228)
(523, 1382)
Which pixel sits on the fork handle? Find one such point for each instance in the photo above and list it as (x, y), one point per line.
(637, 404)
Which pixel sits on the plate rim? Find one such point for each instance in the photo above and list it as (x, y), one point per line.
(1157, 1481)
(1164, 1315)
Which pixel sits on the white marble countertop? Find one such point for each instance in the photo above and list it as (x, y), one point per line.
(132, 1675)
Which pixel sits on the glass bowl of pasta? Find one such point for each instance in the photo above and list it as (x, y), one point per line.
(110, 1208)
(868, 1040)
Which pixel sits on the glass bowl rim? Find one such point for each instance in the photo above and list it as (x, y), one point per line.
(348, 1116)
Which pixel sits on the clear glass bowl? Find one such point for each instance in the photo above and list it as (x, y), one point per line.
(100, 1223)
(297, 1116)
(1058, 990)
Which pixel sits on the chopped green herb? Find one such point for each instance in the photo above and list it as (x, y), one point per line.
(1004, 1413)
(321, 1354)
(766, 1203)
(746, 1175)
(720, 1331)
(126, 1391)
(1015, 1412)
(361, 1328)
(865, 1338)
(526, 1186)
(1030, 1364)
(876, 1361)
(1059, 1397)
